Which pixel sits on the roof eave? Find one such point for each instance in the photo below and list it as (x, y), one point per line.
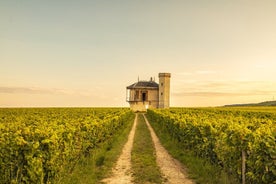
(142, 87)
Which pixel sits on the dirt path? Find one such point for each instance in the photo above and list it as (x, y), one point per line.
(170, 168)
(121, 174)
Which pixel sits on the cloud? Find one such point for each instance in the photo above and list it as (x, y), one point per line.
(25, 90)
(95, 92)
(184, 73)
(205, 72)
(35, 90)
(226, 89)
(223, 94)
(199, 72)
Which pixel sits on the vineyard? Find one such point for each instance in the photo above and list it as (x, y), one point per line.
(40, 145)
(240, 140)
(43, 145)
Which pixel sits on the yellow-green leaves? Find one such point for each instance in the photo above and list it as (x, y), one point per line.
(39, 145)
(222, 134)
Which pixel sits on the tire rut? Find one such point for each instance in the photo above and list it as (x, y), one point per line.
(121, 173)
(171, 168)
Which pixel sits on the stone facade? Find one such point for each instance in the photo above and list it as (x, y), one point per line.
(148, 94)
(164, 90)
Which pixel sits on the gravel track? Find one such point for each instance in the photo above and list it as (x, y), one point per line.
(171, 168)
(121, 173)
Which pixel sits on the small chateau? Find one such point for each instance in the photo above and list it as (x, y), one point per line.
(144, 95)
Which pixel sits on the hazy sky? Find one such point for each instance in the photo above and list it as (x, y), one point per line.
(85, 53)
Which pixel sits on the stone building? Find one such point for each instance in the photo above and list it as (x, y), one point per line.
(149, 94)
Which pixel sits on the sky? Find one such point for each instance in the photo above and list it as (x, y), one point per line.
(65, 53)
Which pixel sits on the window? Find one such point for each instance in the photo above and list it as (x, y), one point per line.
(136, 96)
(144, 96)
(161, 83)
(161, 93)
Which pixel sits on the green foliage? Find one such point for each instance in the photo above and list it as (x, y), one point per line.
(100, 161)
(221, 134)
(198, 169)
(40, 145)
(143, 158)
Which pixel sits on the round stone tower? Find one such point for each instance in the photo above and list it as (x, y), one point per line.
(164, 90)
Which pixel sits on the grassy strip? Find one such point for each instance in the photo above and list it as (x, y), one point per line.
(143, 158)
(200, 170)
(98, 164)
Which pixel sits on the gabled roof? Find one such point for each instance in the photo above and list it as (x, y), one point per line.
(143, 85)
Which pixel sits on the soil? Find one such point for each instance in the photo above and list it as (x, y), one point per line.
(121, 173)
(172, 170)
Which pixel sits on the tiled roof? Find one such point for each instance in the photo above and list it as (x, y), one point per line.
(143, 84)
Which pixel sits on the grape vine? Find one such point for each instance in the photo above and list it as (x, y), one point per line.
(39, 145)
(222, 134)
